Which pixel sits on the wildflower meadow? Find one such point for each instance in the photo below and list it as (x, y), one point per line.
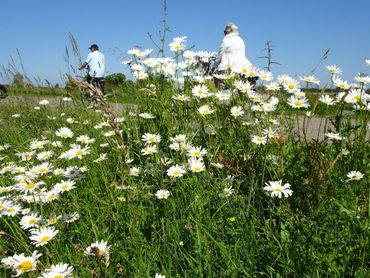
(205, 176)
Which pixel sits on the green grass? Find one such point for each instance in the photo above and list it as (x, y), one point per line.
(321, 230)
(127, 94)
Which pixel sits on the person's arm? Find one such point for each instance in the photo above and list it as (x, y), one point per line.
(219, 56)
(84, 64)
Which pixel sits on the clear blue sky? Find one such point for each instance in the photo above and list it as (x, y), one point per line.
(300, 29)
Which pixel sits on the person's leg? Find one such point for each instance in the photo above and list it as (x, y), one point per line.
(99, 83)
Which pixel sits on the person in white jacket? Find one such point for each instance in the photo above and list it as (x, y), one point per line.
(231, 55)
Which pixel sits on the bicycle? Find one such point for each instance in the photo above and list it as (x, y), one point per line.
(3, 91)
(90, 91)
(97, 82)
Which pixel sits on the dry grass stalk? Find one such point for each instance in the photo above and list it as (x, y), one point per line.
(97, 96)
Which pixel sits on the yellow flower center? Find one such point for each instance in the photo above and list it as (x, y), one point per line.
(32, 221)
(43, 170)
(64, 187)
(11, 210)
(25, 266)
(79, 152)
(357, 98)
(278, 190)
(44, 239)
(30, 185)
(291, 86)
(197, 169)
(176, 173)
(298, 103)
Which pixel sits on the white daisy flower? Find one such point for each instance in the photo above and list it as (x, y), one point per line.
(149, 150)
(85, 139)
(196, 165)
(200, 91)
(237, 111)
(21, 263)
(334, 136)
(227, 192)
(134, 171)
(150, 138)
(60, 270)
(70, 217)
(176, 171)
(64, 132)
(354, 176)
(43, 235)
(162, 194)
(98, 249)
(196, 152)
(29, 221)
(64, 186)
(259, 140)
(205, 110)
(277, 190)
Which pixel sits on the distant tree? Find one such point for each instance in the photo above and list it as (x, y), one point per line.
(18, 80)
(115, 79)
(129, 86)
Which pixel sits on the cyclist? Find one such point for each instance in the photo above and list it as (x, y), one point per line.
(95, 63)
